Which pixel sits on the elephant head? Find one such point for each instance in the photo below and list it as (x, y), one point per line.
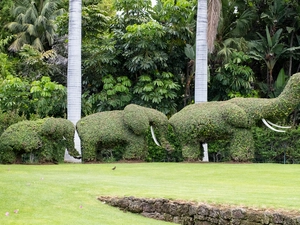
(62, 131)
(139, 119)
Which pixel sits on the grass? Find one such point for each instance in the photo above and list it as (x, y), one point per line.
(67, 193)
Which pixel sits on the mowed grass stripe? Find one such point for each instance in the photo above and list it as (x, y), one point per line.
(66, 193)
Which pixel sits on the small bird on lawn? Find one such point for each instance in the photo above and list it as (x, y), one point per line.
(114, 168)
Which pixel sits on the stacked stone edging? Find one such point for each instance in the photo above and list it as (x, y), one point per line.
(192, 213)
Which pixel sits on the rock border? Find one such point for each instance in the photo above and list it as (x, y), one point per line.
(193, 213)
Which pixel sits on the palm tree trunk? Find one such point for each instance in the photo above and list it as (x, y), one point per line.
(74, 70)
(201, 59)
(201, 53)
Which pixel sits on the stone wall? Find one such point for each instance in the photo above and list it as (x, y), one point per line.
(191, 213)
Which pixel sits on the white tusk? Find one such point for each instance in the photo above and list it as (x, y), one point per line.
(276, 125)
(272, 128)
(153, 136)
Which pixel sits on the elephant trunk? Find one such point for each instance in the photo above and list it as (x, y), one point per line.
(288, 100)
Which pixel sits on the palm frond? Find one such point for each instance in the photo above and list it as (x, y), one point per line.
(225, 53)
(40, 21)
(15, 27)
(19, 10)
(49, 38)
(37, 43)
(49, 54)
(30, 14)
(31, 29)
(48, 9)
(18, 43)
(20, 18)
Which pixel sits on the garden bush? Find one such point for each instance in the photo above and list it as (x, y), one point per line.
(9, 118)
(219, 151)
(274, 147)
(43, 140)
(270, 147)
(159, 154)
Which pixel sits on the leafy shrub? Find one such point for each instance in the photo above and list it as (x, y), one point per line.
(173, 153)
(219, 151)
(270, 147)
(273, 147)
(45, 140)
(42, 97)
(9, 118)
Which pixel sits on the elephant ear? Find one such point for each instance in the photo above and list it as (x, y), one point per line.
(136, 119)
(57, 128)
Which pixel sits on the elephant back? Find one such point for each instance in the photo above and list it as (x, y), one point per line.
(23, 136)
(57, 128)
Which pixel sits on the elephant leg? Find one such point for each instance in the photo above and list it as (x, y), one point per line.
(88, 150)
(136, 148)
(7, 155)
(192, 151)
(242, 145)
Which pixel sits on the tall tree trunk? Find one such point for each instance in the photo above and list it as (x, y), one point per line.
(201, 59)
(74, 70)
(201, 53)
(207, 24)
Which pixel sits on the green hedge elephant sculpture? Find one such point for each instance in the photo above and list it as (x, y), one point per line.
(44, 139)
(126, 128)
(232, 119)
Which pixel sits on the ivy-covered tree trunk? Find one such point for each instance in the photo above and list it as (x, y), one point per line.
(74, 70)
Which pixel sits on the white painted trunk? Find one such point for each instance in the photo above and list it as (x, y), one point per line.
(201, 59)
(201, 53)
(74, 70)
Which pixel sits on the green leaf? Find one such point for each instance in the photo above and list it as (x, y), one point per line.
(148, 87)
(158, 83)
(276, 37)
(35, 89)
(190, 51)
(290, 29)
(145, 78)
(281, 79)
(270, 44)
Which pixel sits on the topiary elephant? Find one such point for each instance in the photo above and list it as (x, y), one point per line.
(121, 129)
(232, 119)
(45, 139)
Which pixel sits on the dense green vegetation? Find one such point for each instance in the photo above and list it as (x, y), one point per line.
(133, 52)
(140, 54)
(270, 147)
(67, 193)
(42, 140)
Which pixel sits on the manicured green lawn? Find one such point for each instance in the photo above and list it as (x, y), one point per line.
(67, 193)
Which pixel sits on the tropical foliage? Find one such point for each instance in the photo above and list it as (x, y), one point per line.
(40, 97)
(133, 52)
(34, 23)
